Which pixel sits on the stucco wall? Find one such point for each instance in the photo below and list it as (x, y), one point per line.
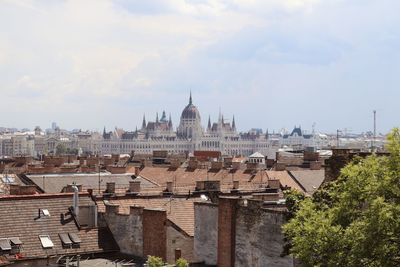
(127, 230)
(259, 238)
(178, 240)
(206, 233)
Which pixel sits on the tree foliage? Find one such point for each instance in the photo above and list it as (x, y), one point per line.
(181, 263)
(154, 261)
(354, 221)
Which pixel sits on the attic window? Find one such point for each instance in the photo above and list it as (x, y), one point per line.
(46, 241)
(5, 244)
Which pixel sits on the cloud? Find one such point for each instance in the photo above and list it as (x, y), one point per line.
(272, 63)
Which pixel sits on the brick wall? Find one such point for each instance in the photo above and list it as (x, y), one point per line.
(226, 231)
(154, 233)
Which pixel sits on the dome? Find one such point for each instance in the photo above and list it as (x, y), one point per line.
(190, 111)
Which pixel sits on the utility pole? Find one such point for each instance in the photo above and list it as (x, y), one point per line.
(374, 140)
(337, 138)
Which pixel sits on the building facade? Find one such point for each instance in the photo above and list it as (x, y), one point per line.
(189, 136)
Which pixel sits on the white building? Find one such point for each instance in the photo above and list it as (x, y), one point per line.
(298, 140)
(190, 136)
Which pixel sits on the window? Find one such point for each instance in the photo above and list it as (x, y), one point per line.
(46, 212)
(46, 241)
(75, 238)
(66, 241)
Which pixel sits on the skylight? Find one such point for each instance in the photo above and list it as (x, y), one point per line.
(46, 241)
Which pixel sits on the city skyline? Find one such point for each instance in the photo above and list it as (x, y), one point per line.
(272, 64)
(213, 118)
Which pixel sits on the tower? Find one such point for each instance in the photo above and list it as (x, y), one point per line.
(190, 123)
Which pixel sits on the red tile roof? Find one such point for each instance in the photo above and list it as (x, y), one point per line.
(19, 218)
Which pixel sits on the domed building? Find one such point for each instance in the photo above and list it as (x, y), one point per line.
(190, 123)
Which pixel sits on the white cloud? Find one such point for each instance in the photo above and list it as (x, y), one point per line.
(77, 57)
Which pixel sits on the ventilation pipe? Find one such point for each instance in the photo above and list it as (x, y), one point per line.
(75, 200)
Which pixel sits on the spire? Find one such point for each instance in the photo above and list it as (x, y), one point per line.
(209, 123)
(222, 119)
(104, 130)
(163, 117)
(170, 122)
(190, 98)
(157, 118)
(144, 122)
(233, 123)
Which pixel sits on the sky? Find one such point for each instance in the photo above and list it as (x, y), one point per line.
(271, 63)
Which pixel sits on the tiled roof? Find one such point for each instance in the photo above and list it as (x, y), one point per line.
(285, 180)
(54, 183)
(180, 211)
(311, 180)
(185, 179)
(18, 215)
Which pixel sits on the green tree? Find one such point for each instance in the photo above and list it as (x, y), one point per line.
(154, 261)
(354, 221)
(61, 149)
(181, 263)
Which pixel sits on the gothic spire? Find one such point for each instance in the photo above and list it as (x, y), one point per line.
(209, 123)
(233, 123)
(144, 122)
(190, 98)
(170, 122)
(157, 118)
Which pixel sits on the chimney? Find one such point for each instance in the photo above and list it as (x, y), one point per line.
(69, 188)
(175, 163)
(137, 171)
(199, 185)
(16, 189)
(110, 188)
(274, 183)
(216, 165)
(236, 165)
(252, 166)
(170, 187)
(134, 186)
(193, 163)
(235, 184)
(112, 208)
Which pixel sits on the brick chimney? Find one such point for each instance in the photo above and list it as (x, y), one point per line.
(110, 188)
(170, 186)
(134, 186)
